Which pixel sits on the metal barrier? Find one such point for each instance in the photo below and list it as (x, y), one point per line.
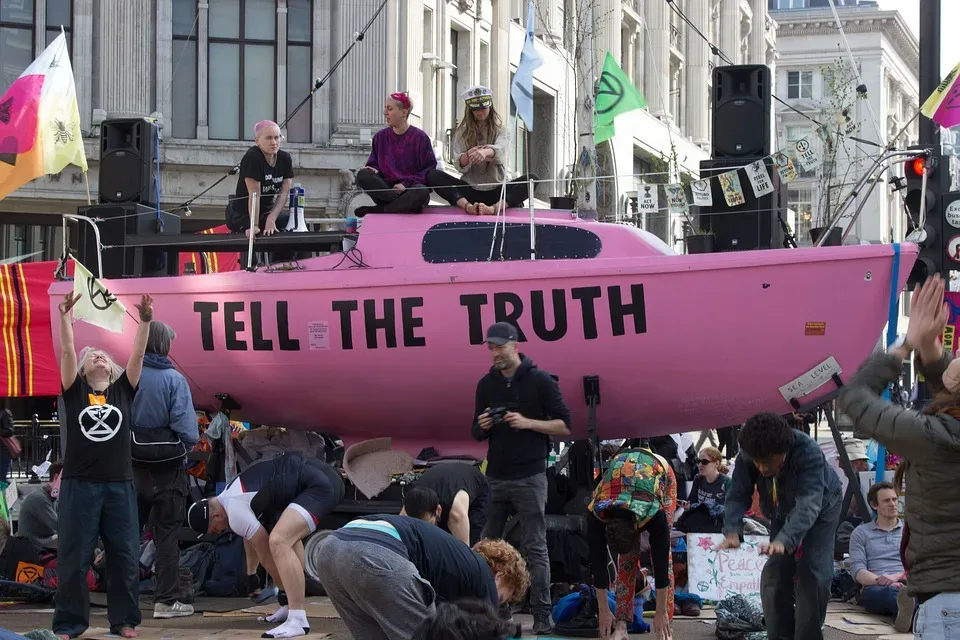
(37, 437)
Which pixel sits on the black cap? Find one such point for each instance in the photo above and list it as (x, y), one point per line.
(501, 333)
(198, 516)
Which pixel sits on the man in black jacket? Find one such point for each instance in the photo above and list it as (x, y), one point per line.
(518, 409)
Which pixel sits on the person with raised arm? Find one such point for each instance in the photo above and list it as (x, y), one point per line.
(266, 170)
(401, 157)
(97, 497)
(480, 147)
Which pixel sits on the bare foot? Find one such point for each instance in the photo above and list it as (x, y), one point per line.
(472, 209)
(129, 632)
(501, 207)
(486, 210)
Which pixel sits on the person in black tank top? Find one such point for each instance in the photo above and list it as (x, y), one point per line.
(97, 481)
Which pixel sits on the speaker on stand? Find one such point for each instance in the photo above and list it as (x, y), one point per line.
(128, 161)
(741, 111)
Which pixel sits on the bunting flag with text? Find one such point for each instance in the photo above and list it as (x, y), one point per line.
(943, 105)
(615, 95)
(30, 367)
(40, 121)
(97, 306)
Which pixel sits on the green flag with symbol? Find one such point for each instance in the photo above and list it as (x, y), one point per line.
(615, 95)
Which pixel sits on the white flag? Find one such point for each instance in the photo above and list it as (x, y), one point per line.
(732, 193)
(786, 169)
(759, 178)
(97, 305)
(809, 158)
(702, 193)
(676, 198)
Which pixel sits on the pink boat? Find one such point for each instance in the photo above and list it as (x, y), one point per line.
(387, 340)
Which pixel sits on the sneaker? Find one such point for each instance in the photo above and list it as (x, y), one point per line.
(542, 626)
(906, 606)
(175, 610)
(690, 609)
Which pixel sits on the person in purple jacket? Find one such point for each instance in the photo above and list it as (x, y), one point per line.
(395, 175)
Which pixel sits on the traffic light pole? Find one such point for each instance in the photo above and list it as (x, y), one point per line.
(929, 64)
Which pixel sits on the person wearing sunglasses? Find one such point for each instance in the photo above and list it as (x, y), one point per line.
(712, 483)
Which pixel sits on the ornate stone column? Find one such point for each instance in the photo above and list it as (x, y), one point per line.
(608, 17)
(82, 59)
(758, 34)
(165, 62)
(203, 70)
(656, 68)
(730, 31)
(282, 61)
(125, 58)
(697, 76)
(500, 56)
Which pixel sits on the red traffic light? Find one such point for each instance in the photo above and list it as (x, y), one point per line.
(915, 167)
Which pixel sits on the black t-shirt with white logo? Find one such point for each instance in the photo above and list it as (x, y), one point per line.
(255, 166)
(98, 431)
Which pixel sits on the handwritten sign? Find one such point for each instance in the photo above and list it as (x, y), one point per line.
(715, 575)
(811, 380)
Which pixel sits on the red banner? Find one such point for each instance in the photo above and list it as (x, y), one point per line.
(29, 365)
(211, 262)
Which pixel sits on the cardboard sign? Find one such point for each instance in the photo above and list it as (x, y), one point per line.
(715, 575)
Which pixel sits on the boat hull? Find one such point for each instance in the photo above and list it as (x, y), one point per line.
(679, 343)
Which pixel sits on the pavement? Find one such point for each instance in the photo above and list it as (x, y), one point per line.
(245, 627)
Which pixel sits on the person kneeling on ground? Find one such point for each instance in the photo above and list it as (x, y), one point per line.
(801, 492)
(291, 493)
(637, 493)
(452, 495)
(385, 573)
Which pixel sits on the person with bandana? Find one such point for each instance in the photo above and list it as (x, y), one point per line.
(480, 148)
(637, 493)
(395, 175)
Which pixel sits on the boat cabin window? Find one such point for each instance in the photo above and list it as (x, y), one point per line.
(470, 242)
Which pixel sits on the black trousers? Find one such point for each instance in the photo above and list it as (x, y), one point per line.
(412, 200)
(452, 189)
(162, 497)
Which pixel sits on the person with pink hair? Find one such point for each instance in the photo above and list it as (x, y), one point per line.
(395, 175)
(267, 170)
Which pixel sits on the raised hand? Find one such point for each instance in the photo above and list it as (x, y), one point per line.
(928, 313)
(145, 308)
(68, 302)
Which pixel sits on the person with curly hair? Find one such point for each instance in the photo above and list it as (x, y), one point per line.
(637, 493)
(800, 492)
(386, 573)
(466, 619)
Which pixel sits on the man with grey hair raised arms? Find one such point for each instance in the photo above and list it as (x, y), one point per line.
(164, 428)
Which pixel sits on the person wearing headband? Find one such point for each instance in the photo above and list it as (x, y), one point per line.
(274, 504)
(267, 170)
(395, 175)
(480, 147)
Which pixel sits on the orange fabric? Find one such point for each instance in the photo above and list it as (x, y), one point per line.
(30, 366)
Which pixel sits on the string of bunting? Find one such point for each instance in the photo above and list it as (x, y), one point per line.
(801, 153)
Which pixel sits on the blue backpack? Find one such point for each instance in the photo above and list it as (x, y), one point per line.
(229, 571)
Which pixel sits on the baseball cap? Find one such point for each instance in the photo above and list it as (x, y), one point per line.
(198, 516)
(501, 333)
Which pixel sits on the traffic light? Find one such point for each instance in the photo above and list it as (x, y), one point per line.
(926, 211)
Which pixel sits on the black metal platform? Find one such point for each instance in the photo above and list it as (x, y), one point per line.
(234, 242)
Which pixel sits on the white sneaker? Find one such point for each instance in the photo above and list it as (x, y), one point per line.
(175, 610)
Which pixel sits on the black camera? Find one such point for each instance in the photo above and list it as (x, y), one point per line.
(498, 415)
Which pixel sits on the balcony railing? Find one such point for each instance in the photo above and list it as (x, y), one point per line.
(676, 38)
(37, 437)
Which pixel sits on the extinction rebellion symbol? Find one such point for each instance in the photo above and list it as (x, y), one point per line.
(609, 85)
(100, 299)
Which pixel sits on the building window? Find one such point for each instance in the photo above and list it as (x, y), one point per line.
(299, 67)
(243, 54)
(184, 86)
(60, 14)
(799, 84)
(801, 201)
(791, 4)
(16, 40)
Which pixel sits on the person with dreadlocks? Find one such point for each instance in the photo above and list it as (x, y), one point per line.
(480, 147)
(637, 493)
(928, 442)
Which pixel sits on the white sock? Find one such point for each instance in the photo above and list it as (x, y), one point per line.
(280, 615)
(295, 625)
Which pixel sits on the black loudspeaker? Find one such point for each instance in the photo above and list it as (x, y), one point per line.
(116, 222)
(751, 225)
(741, 111)
(128, 161)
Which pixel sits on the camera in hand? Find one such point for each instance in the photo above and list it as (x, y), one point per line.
(498, 415)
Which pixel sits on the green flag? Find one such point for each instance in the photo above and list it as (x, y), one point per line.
(615, 95)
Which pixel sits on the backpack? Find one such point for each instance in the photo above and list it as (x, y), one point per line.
(198, 561)
(161, 447)
(228, 575)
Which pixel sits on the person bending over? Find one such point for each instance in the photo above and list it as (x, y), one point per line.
(396, 171)
(274, 504)
(480, 147)
(454, 496)
(800, 492)
(267, 170)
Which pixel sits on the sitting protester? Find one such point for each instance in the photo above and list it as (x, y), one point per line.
(266, 170)
(395, 175)
(38, 512)
(386, 573)
(460, 497)
(481, 145)
(274, 504)
(712, 483)
(875, 558)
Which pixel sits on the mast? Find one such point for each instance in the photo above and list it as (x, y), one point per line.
(586, 153)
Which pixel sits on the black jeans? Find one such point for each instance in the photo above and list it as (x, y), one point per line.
(89, 510)
(412, 200)
(162, 495)
(452, 189)
(527, 497)
(811, 593)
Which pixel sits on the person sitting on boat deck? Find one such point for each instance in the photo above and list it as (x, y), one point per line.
(386, 573)
(454, 496)
(267, 170)
(274, 504)
(637, 493)
(480, 147)
(401, 156)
